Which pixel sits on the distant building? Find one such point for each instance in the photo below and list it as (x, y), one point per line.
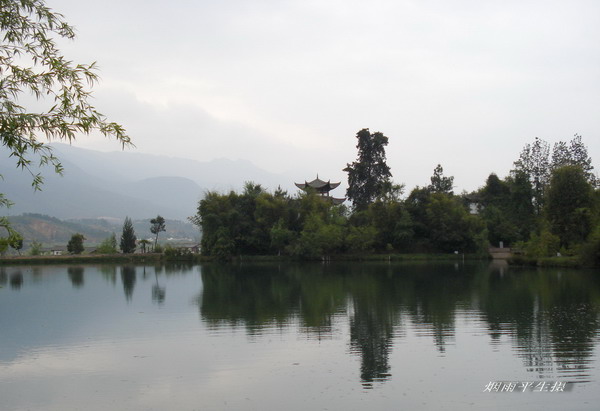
(55, 250)
(322, 188)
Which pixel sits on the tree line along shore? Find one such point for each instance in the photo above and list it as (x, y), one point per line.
(547, 211)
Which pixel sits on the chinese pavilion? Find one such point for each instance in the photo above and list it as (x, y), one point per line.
(322, 188)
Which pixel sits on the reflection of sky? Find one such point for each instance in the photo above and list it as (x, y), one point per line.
(53, 312)
(95, 350)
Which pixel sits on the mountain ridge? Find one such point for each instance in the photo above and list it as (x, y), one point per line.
(119, 184)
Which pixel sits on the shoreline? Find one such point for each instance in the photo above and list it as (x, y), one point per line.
(515, 261)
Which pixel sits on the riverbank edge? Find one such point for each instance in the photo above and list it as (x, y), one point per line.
(82, 259)
(519, 260)
(155, 257)
(560, 262)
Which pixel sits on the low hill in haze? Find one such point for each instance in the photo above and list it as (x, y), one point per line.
(119, 184)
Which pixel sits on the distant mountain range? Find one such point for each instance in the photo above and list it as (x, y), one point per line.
(119, 184)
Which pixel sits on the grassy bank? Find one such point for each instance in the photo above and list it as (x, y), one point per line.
(567, 262)
(352, 257)
(142, 258)
(81, 259)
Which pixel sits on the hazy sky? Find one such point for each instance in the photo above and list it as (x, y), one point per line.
(287, 84)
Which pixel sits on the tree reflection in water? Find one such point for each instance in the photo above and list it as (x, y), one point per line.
(76, 276)
(158, 292)
(128, 277)
(16, 280)
(551, 317)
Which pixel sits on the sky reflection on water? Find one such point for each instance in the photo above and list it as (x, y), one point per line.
(337, 336)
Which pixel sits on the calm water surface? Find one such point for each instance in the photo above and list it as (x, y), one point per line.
(298, 337)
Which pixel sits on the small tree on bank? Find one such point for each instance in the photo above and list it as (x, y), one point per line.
(128, 238)
(144, 245)
(75, 245)
(157, 225)
(35, 248)
(109, 245)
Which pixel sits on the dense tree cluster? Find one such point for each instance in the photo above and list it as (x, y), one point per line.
(310, 226)
(548, 204)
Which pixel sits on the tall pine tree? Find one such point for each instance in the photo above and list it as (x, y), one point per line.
(369, 175)
(128, 237)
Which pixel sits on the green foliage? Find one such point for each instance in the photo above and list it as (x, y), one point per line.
(392, 224)
(574, 154)
(495, 192)
(590, 251)
(416, 205)
(156, 226)
(11, 239)
(360, 240)
(32, 64)
(144, 245)
(569, 205)
(520, 209)
(431, 219)
(173, 253)
(499, 225)
(17, 245)
(507, 208)
(280, 236)
(35, 248)
(128, 238)
(75, 244)
(451, 227)
(545, 244)
(369, 174)
(439, 183)
(257, 222)
(534, 162)
(108, 246)
(319, 238)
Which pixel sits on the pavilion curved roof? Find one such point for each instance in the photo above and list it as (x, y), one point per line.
(317, 183)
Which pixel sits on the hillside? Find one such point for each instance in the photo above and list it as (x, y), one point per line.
(119, 184)
(51, 230)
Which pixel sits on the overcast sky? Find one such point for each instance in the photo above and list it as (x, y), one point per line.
(287, 84)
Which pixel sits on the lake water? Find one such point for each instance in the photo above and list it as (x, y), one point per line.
(357, 336)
